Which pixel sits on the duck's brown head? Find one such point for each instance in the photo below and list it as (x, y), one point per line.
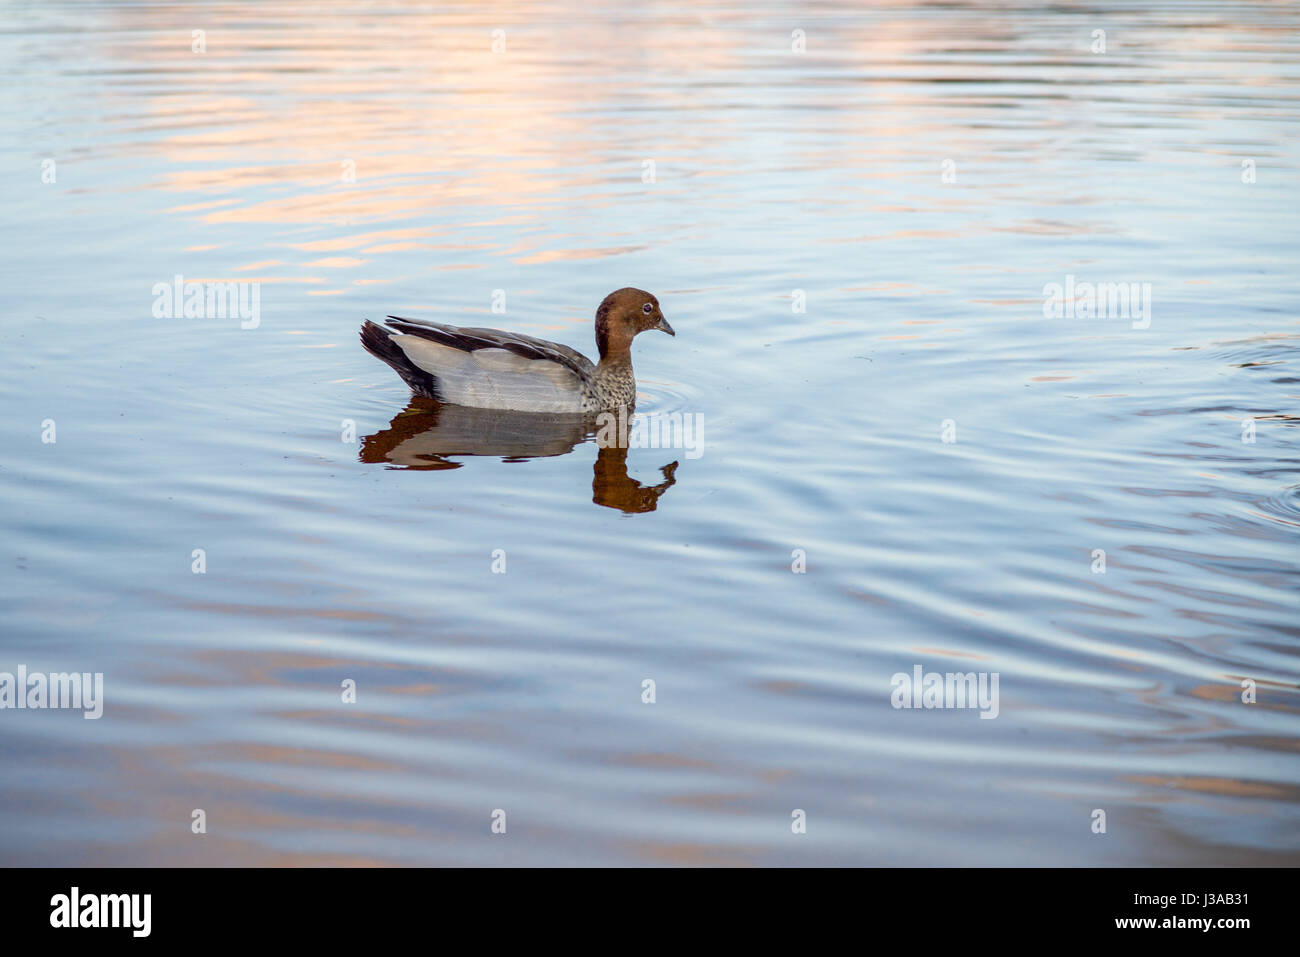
(623, 314)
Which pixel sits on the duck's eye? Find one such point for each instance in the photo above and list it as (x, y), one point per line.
(647, 308)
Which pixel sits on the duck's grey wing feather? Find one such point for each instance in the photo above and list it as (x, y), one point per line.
(470, 338)
(489, 368)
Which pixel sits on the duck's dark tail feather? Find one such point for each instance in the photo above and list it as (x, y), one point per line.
(376, 340)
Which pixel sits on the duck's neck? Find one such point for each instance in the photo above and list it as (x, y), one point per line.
(615, 381)
(616, 363)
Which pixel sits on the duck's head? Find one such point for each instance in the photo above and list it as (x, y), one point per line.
(624, 313)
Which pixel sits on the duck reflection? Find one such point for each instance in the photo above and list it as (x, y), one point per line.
(426, 434)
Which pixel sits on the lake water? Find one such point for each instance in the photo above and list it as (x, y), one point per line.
(905, 462)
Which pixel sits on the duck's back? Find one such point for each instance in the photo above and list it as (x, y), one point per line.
(485, 368)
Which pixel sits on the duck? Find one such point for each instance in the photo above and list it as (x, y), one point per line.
(493, 369)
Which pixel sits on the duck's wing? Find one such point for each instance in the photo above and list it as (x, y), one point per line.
(485, 368)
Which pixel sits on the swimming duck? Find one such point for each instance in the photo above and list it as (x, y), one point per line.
(491, 369)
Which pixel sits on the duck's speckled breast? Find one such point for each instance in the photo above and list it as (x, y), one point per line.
(610, 388)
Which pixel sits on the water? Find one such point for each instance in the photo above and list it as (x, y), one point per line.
(356, 160)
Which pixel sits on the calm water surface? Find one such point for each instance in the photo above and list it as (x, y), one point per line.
(359, 159)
